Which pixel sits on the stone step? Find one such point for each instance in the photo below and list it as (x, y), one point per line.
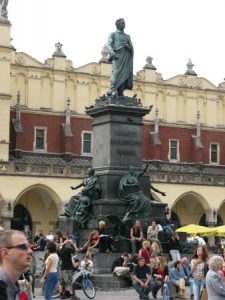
(108, 281)
(102, 261)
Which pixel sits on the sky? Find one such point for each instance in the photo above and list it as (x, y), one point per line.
(170, 31)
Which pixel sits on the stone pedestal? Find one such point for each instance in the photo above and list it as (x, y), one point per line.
(65, 225)
(117, 144)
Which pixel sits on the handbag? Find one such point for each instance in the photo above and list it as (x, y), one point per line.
(204, 294)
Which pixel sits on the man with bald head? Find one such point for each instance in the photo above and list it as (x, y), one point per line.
(15, 254)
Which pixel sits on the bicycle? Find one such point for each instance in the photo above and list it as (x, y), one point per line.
(86, 283)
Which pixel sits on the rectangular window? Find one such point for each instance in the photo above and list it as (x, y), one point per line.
(40, 136)
(40, 140)
(214, 153)
(174, 150)
(86, 143)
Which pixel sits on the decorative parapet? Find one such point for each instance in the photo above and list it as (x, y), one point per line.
(185, 173)
(42, 170)
(159, 171)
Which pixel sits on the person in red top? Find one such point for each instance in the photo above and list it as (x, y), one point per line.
(160, 274)
(92, 242)
(146, 252)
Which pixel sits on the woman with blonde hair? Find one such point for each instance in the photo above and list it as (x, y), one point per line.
(105, 243)
(155, 248)
(146, 251)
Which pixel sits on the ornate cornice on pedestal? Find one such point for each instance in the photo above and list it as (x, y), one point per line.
(119, 101)
(121, 105)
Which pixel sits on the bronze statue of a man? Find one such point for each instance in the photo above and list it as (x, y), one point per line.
(121, 54)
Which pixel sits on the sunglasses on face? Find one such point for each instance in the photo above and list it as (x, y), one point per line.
(20, 246)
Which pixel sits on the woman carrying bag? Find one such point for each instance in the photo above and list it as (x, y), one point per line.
(199, 268)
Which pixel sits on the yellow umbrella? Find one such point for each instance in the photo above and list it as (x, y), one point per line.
(194, 229)
(220, 231)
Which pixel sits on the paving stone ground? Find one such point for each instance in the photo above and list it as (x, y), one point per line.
(125, 294)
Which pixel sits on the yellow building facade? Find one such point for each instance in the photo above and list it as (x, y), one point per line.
(44, 88)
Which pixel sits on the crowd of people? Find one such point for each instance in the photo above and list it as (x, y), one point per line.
(183, 279)
(147, 267)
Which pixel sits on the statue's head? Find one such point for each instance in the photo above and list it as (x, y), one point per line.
(131, 169)
(120, 24)
(90, 171)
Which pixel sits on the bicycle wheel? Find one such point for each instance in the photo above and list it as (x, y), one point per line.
(88, 288)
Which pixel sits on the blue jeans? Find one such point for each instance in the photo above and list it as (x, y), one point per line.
(198, 285)
(50, 283)
(191, 281)
(168, 230)
(143, 292)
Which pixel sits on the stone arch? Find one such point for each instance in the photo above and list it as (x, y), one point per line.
(43, 204)
(189, 207)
